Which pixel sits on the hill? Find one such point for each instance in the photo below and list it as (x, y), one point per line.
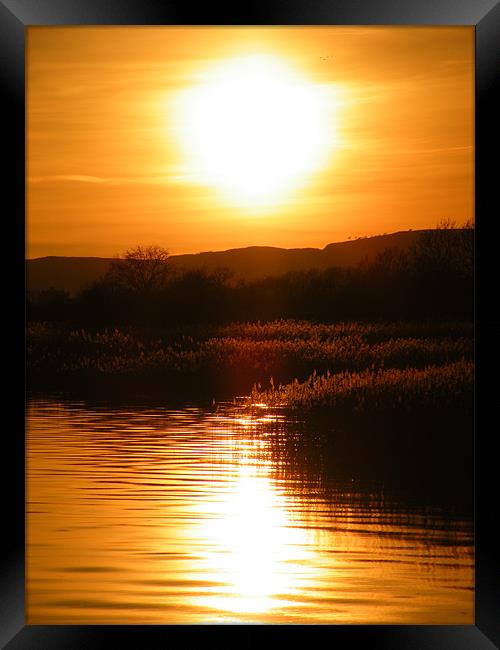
(73, 273)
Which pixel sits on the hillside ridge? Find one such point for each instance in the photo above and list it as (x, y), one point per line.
(72, 273)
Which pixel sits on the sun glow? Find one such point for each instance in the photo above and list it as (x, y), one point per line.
(255, 129)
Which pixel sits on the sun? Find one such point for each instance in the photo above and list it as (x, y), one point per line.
(255, 129)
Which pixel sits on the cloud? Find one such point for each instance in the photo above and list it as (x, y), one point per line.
(78, 178)
(159, 179)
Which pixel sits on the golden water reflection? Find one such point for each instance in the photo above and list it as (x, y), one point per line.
(252, 546)
(150, 515)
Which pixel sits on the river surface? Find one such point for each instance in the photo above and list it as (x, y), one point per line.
(188, 515)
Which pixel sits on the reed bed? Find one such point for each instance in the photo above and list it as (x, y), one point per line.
(297, 350)
(370, 332)
(437, 387)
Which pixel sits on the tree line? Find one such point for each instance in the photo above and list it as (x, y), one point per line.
(433, 279)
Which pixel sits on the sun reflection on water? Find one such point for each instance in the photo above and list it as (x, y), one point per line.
(252, 545)
(176, 517)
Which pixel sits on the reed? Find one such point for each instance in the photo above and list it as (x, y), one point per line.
(242, 354)
(376, 389)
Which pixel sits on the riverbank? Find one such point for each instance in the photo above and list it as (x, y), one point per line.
(225, 362)
(390, 401)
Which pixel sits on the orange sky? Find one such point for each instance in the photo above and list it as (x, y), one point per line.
(109, 165)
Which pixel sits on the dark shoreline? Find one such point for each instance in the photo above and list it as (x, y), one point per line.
(403, 415)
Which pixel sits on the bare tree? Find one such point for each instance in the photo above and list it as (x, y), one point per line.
(143, 269)
(448, 247)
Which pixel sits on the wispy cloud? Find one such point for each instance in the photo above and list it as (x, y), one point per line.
(78, 178)
(109, 180)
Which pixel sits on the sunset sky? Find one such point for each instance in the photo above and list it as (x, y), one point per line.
(206, 138)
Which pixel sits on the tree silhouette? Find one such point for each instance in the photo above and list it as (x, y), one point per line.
(446, 249)
(142, 270)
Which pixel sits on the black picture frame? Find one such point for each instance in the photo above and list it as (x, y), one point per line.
(484, 15)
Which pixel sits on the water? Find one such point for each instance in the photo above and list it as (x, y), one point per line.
(148, 514)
